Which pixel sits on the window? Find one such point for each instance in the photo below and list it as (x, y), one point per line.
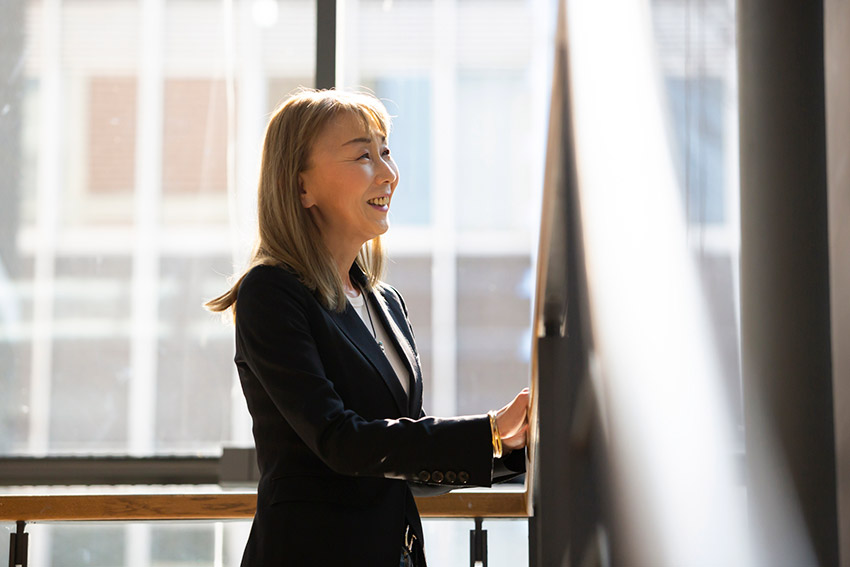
(136, 146)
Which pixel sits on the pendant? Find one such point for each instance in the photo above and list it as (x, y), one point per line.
(381, 344)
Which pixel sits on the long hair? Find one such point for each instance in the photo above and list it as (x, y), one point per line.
(287, 235)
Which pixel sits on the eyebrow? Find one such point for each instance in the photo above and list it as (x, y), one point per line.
(363, 141)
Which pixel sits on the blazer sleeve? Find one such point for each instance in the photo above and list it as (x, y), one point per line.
(273, 329)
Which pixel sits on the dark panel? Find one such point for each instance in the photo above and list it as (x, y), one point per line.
(837, 16)
(785, 319)
(571, 525)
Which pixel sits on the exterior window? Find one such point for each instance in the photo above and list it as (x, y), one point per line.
(112, 134)
(408, 100)
(697, 110)
(194, 140)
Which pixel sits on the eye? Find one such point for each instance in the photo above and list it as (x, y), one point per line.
(364, 156)
(386, 152)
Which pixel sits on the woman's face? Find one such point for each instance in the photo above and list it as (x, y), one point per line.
(348, 183)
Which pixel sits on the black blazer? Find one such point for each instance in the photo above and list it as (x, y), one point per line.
(338, 442)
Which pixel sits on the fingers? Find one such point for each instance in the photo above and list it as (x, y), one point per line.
(522, 396)
(517, 441)
(518, 404)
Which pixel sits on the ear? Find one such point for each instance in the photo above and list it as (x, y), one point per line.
(307, 199)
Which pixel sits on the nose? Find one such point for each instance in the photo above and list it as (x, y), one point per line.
(387, 171)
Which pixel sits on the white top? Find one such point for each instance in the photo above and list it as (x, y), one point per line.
(380, 333)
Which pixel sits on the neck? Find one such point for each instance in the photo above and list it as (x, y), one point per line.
(343, 257)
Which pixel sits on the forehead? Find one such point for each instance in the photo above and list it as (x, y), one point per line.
(347, 126)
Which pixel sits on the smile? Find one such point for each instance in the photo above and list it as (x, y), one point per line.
(380, 201)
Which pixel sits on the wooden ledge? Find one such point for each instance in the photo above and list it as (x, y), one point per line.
(222, 505)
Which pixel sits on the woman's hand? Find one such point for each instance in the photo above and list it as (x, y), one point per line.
(512, 421)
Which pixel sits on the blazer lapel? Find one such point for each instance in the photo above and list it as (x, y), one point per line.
(403, 344)
(352, 326)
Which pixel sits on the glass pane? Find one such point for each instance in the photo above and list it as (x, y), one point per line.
(447, 542)
(97, 545)
(91, 356)
(496, 139)
(210, 544)
(494, 302)
(6, 528)
(194, 357)
(114, 544)
(131, 153)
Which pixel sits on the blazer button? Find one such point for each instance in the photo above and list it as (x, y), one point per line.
(451, 477)
(463, 477)
(424, 476)
(437, 476)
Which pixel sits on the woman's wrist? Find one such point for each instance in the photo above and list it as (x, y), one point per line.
(496, 436)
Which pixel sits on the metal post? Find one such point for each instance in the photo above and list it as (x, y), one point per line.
(478, 545)
(18, 546)
(785, 302)
(325, 44)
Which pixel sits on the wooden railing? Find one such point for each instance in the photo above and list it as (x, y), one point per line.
(180, 503)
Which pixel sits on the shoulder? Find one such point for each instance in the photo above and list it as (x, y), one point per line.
(268, 287)
(266, 278)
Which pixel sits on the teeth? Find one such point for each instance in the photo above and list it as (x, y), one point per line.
(380, 201)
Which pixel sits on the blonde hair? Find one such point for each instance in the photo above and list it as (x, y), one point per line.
(287, 235)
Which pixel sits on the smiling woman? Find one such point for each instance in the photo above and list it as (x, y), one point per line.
(347, 185)
(327, 358)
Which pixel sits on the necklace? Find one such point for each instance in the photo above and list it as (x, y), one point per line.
(371, 324)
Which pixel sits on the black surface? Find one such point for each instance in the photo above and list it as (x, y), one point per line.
(785, 319)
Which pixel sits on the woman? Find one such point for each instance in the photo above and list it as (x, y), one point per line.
(327, 359)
